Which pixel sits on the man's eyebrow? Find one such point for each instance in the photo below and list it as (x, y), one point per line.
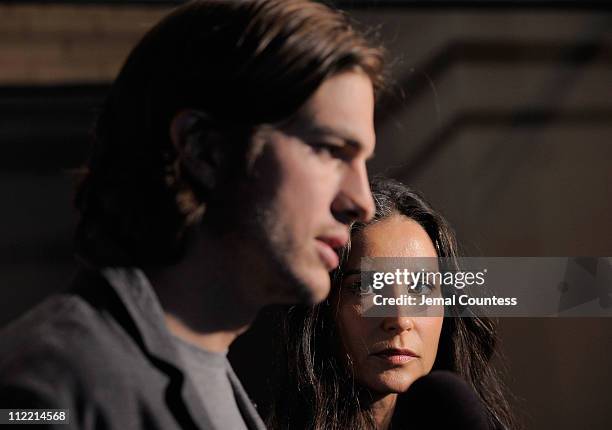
(342, 134)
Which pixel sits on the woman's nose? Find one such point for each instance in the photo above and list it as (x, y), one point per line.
(397, 324)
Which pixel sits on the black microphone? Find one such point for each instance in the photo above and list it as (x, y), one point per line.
(440, 400)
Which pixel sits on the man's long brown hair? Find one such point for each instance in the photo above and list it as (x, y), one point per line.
(240, 64)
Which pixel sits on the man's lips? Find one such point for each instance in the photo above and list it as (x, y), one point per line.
(328, 255)
(327, 245)
(395, 355)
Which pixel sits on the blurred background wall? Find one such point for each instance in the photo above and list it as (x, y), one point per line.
(501, 115)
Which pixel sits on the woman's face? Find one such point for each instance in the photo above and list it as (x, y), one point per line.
(389, 353)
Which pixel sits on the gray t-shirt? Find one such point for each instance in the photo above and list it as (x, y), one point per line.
(212, 376)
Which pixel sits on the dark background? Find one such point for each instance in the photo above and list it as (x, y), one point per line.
(501, 113)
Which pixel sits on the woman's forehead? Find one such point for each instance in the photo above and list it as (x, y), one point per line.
(396, 236)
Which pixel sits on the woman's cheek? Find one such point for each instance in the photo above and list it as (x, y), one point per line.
(353, 330)
(430, 330)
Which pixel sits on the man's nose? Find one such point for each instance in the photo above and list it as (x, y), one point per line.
(355, 202)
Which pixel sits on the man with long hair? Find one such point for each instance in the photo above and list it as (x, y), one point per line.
(228, 161)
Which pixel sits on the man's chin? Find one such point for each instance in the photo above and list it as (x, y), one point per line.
(302, 286)
(317, 290)
(311, 290)
(301, 290)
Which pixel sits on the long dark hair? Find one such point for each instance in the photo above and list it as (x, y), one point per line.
(316, 390)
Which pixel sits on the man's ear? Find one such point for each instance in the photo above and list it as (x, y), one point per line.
(199, 147)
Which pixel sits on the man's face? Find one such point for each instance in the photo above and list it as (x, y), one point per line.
(307, 182)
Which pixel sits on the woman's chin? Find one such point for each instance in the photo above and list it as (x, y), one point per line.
(390, 383)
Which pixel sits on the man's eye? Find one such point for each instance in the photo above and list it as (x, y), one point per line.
(421, 288)
(329, 148)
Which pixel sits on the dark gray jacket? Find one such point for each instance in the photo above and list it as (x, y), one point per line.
(105, 354)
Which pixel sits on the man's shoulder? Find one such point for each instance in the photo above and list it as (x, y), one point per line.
(65, 338)
(78, 350)
(59, 321)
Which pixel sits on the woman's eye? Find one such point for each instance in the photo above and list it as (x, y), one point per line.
(359, 289)
(421, 288)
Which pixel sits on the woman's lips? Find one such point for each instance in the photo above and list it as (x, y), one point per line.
(396, 356)
(327, 254)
